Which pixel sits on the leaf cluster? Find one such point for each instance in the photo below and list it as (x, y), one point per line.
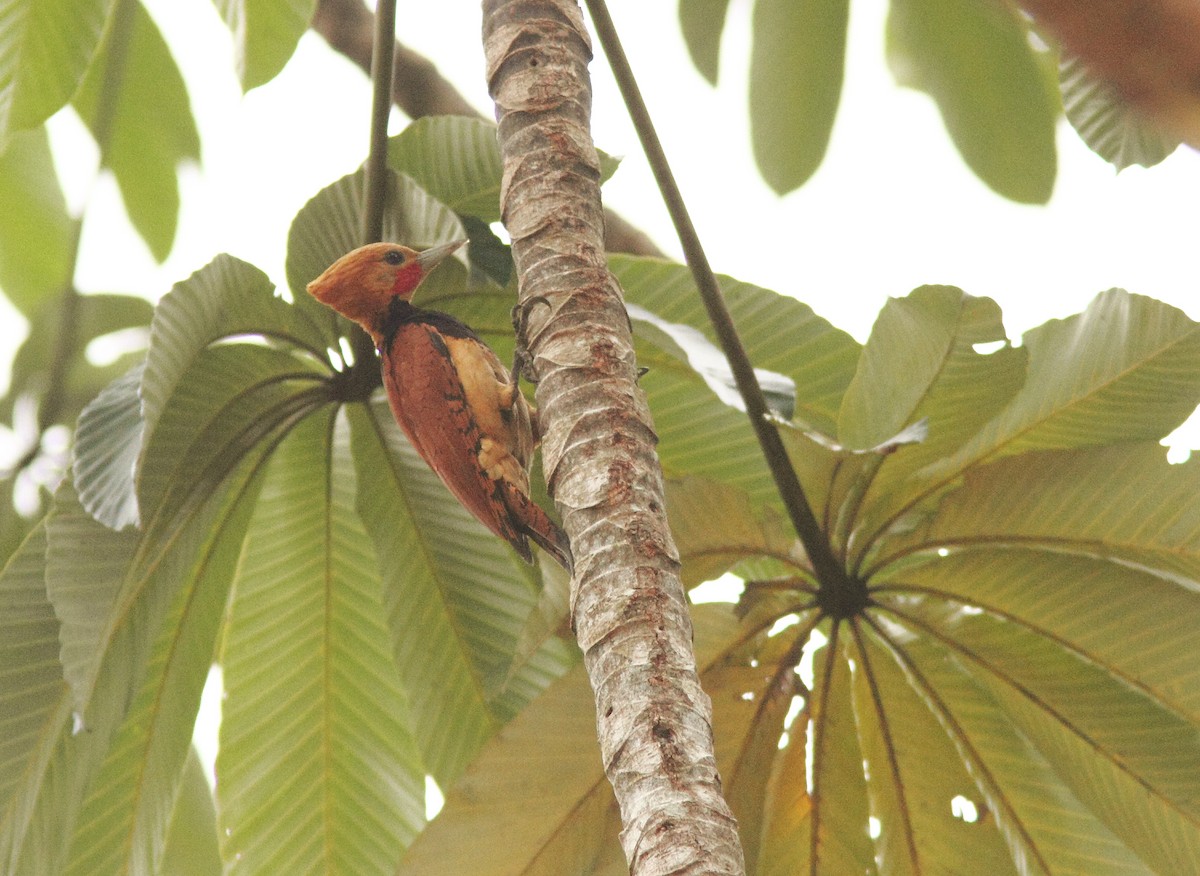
(998, 81)
(1015, 691)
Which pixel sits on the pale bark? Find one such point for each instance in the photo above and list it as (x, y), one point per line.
(629, 609)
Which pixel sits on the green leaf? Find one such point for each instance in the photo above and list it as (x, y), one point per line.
(796, 63)
(228, 410)
(787, 830)
(457, 600)
(454, 158)
(976, 61)
(914, 771)
(457, 161)
(192, 848)
(1124, 503)
(750, 700)
(317, 767)
(107, 442)
(536, 800)
(1019, 790)
(86, 565)
(234, 399)
(780, 333)
(224, 299)
(35, 228)
(913, 343)
(920, 365)
(1106, 123)
(1125, 756)
(265, 34)
(1124, 620)
(38, 819)
(329, 226)
(135, 650)
(45, 46)
(839, 795)
(1160, 831)
(710, 544)
(690, 420)
(701, 22)
(134, 101)
(706, 359)
(93, 316)
(167, 640)
(1126, 369)
(31, 687)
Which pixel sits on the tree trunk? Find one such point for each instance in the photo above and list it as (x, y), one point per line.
(629, 609)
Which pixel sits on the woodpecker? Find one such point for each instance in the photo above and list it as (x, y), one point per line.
(459, 406)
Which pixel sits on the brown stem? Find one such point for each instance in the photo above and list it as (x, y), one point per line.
(629, 608)
(375, 185)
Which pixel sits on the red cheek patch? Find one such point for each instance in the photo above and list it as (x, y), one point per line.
(407, 278)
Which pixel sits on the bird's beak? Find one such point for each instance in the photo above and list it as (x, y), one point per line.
(432, 257)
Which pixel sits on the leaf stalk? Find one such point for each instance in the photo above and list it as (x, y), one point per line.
(829, 571)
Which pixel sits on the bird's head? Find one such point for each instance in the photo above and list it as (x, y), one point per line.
(362, 283)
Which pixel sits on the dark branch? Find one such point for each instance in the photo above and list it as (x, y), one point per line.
(375, 197)
(829, 571)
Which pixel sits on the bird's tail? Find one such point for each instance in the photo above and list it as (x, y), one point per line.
(532, 521)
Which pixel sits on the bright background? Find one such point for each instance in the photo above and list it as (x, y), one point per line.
(893, 206)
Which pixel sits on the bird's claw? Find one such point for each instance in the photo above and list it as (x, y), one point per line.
(522, 360)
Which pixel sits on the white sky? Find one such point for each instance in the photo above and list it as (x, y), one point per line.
(892, 207)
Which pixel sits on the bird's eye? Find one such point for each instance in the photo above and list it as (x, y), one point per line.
(394, 257)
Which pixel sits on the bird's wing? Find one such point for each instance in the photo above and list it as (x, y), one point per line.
(439, 390)
(499, 408)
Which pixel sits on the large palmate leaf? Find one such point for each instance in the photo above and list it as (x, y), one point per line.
(46, 768)
(977, 62)
(317, 766)
(226, 298)
(141, 610)
(780, 334)
(328, 227)
(537, 801)
(127, 812)
(45, 46)
(1123, 370)
(31, 687)
(35, 228)
(265, 34)
(796, 62)
(141, 646)
(134, 101)
(457, 600)
(1016, 677)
